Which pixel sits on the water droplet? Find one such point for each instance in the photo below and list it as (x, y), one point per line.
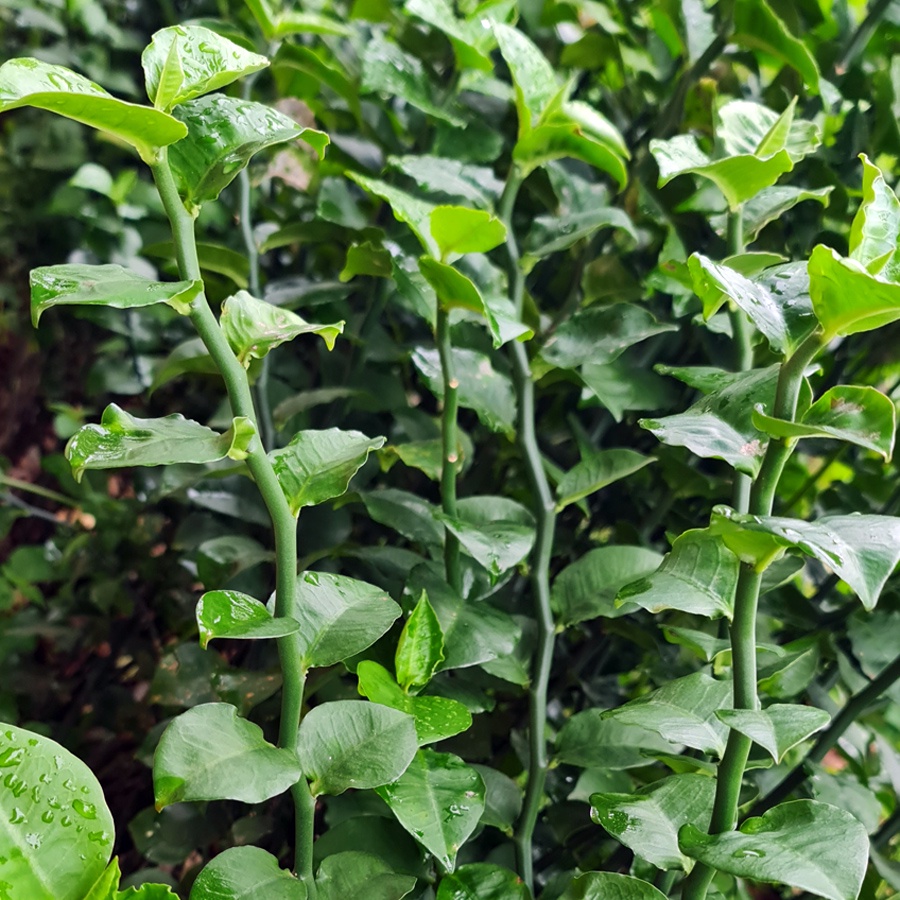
(17, 817)
(85, 810)
(69, 785)
(747, 853)
(34, 840)
(47, 816)
(11, 756)
(65, 821)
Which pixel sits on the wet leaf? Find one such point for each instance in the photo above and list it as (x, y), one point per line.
(610, 886)
(231, 614)
(875, 232)
(242, 873)
(590, 739)
(420, 648)
(533, 76)
(353, 875)
(596, 472)
(482, 881)
(777, 728)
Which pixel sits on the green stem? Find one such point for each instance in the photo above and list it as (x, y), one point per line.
(545, 514)
(38, 490)
(743, 628)
(284, 524)
(449, 447)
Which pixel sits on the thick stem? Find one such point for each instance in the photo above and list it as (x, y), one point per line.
(283, 522)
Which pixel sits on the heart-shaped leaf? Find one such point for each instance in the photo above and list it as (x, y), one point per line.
(610, 886)
(242, 873)
(792, 844)
(596, 472)
(458, 230)
(211, 753)
(482, 881)
(231, 614)
(777, 728)
(353, 875)
(420, 647)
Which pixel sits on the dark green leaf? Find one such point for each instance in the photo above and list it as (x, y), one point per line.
(471, 42)
(482, 881)
(244, 873)
(442, 175)
(353, 875)
(420, 648)
(771, 203)
(777, 728)
(596, 472)
(591, 739)
(497, 544)
(610, 886)
(231, 614)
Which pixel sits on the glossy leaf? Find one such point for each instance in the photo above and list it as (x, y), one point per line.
(591, 739)
(318, 465)
(875, 232)
(420, 648)
(231, 614)
(458, 230)
(211, 753)
(125, 440)
(596, 472)
(497, 545)
(353, 875)
(438, 800)
(567, 140)
(55, 841)
(242, 873)
(31, 82)
(108, 285)
(771, 203)
(482, 881)
(792, 844)
(470, 42)
(533, 76)
(253, 327)
(648, 820)
(354, 744)
(777, 728)
(367, 259)
(610, 886)
(339, 616)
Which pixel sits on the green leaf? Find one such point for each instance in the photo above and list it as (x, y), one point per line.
(185, 61)
(777, 728)
(243, 873)
(124, 440)
(458, 230)
(293, 22)
(745, 127)
(108, 285)
(698, 576)
(56, 831)
(875, 231)
(862, 550)
(771, 203)
(211, 753)
(318, 465)
(596, 472)
(106, 886)
(858, 415)
(610, 886)
(502, 801)
(550, 234)
(592, 740)
(231, 614)
(647, 821)
(533, 76)
(253, 327)
(470, 41)
(792, 672)
(223, 134)
(451, 177)
(682, 711)
(30, 82)
(367, 259)
(482, 881)
(438, 800)
(804, 844)
(353, 744)
(339, 616)
(353, 875)
(420, 648)
(559, 141)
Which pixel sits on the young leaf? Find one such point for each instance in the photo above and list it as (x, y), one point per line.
(353, 875)
(610, 886)
(243, 873)
(56, 831)
(794, 844)
(318, 465)
(471, 44)
(185, 61)
(596, 472)
(211, 753)
(253, 327)
(231, 614)
(30, 82)
(439, 800)
(458, 230)
(567, 140)
(108, 285)
(592, 740)
(532, 75)
(124, 440)
(367, 259)
(875, 232)
(777, 728)
(353, 744)
(420, 648)
(482, 881)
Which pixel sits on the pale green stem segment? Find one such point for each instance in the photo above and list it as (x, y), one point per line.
(743, 628)
(283, 522)
(545, 514)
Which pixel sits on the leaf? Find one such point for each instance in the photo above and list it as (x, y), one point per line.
(497, 544)
(56, 831)
(223, 134)
(503, 798)
(253, 327)
(862, 550)
(875, 231)
(231, 614)
(318, 465)
(185, 61)
(596, 472)
(30, 82)
(211, 753)
(108, 285)
(682, 711)
(410, 515)
(353, 875)
(339, 616)
(353, 744)
(420, 648)
(550, 234)
(610, 886)
(451, 177)
(591, 739)
(470, 42)
(559, 141)
(367, 259)
(482, 881)
(533, 76)
(698, 576)
(858, 415)
(243, 873)
(458, 230)
(293, 22)
(794, 844)
(791, 673)
(124, 440)
(771, 203)
(647, 821)
(777, 728)
(438, 800)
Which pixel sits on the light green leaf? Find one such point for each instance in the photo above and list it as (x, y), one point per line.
(647, 821)
(318, 465)
(592, 740)
(438, 800)
(56, 831)
(245, 873)
(610, 886)
(294, 22)
(253, 327)
(532, 75)
(211, 753)
(367, 259)
(420, 648)
(596, 472)
(777, 728)
(30, 82)
(108, 285)
(354, 744)
(185, 61)
(231, 614)
(482, 881)
(122, 440)
(471, 42)
(794, 844)
(458, 230)
(567, 140)
(875, 231)
(353, 875)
